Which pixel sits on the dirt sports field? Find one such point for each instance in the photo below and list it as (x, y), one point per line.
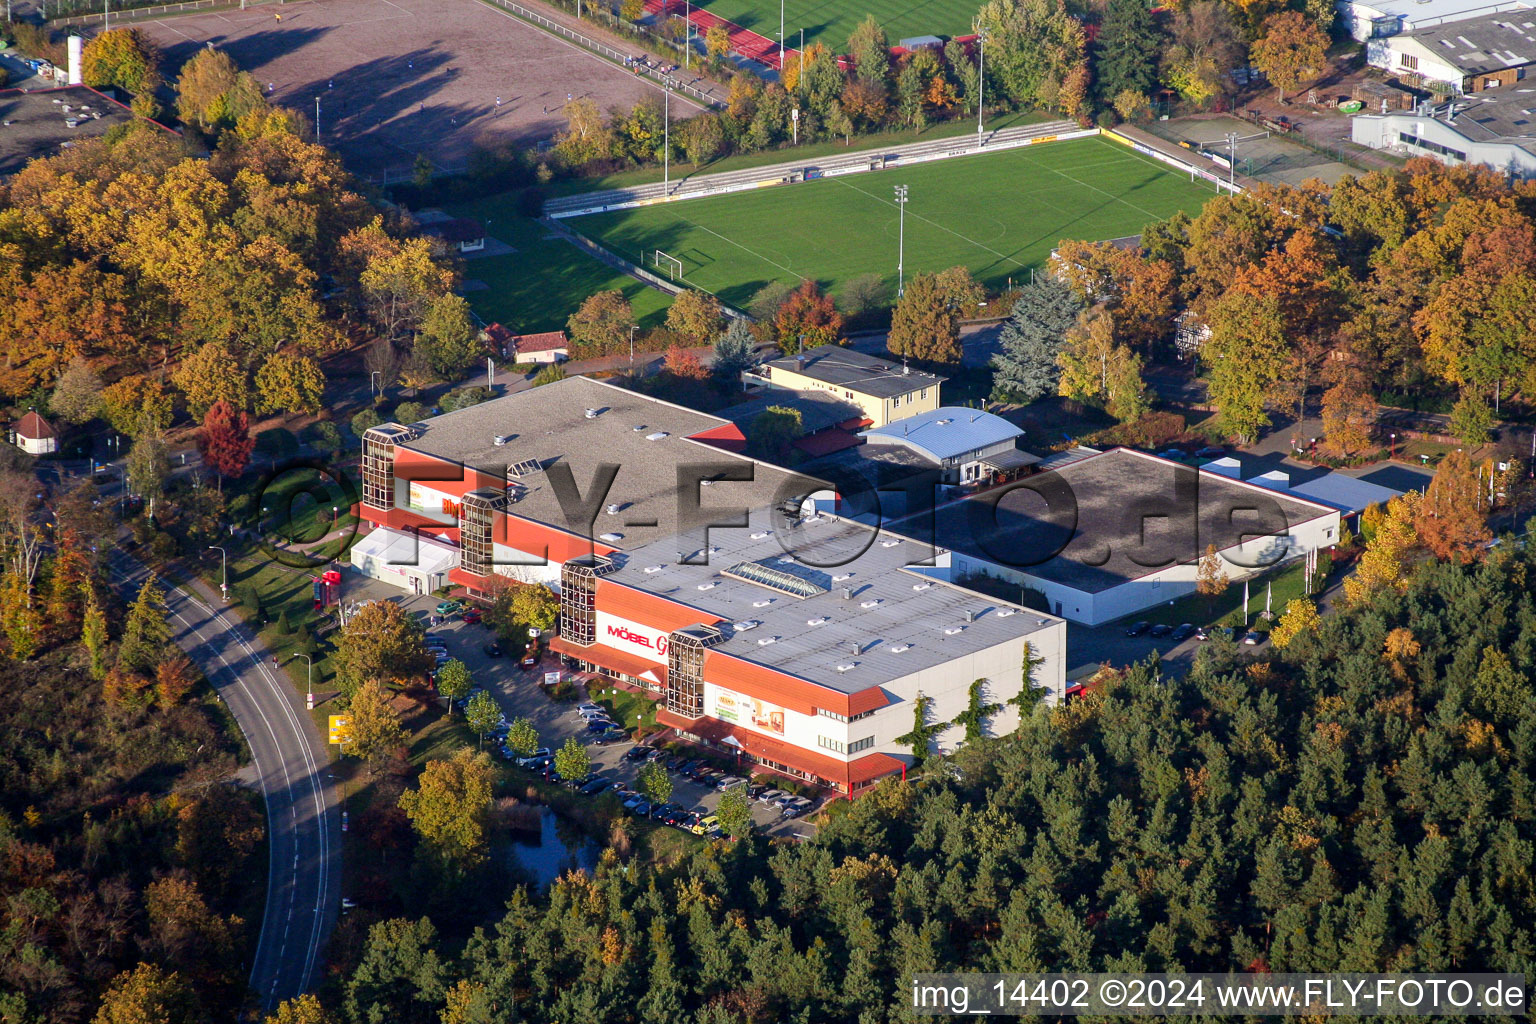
(397, 78)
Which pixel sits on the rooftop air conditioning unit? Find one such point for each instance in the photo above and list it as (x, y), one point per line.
(921, 586)
(747, 624)
(845, 668)
(591, 414)
(657, 436)
(765, 640)
(501, 439)
(898, 648)
(654, 568)
(820, 620)
(611, 538)
(871, 604)
(951, 630)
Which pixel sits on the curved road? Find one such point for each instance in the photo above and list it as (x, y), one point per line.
(292, 768)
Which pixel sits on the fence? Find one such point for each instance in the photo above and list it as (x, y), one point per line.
(601, 49)
(1123, 136)
(131, 13)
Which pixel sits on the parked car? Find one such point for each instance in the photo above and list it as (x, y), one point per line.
(756, 790)
(631, 800)
(595, 786)
(792, 811)
(1253, 638)
(689, 820)
(730, 782)
(704, 826)
(1184, 632)
(589, 707)
(641, 809)
(1211, 452)
(656, 754)
(600, 725)
(447, 607)
(768, 796)
(492, 650)
(537, 755)
(1172, 453)
(674, 814)
(639, 752)
(1201, 633)
(473, 616)
(1160, 630)
(1136, 629)
(590, 712)
(661, 812)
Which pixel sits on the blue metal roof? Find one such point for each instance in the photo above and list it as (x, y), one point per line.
(946, 432)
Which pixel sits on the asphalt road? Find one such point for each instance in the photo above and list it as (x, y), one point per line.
(292, 770)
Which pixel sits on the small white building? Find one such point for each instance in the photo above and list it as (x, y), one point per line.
(34, 435)
(1494, 129)
(415, 563)
(957, 440)
(1369, 20)
(1494, 51)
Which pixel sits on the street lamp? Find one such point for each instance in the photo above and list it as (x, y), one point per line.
(371, 385)
(667, 83)
(1394, 447)
(901, 239)
(981, 77)
(309, 696)
(335, 511)
(632, 329)
(224, 575)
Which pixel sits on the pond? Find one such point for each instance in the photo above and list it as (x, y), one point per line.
(559, 847)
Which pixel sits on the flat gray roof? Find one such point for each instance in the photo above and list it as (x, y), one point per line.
(1492, 42)
(856, 371)
(818, 409)
(896, 622)
(34, 121)
(647, 439)
(1109, 540)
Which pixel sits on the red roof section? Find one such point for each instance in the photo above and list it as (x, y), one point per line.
(648, 609)
(547, 541)
(497, 335)
(543, 342)
(846, 772)
(34, 427)
(727, 436)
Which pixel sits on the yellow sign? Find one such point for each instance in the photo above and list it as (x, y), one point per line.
(341, 729)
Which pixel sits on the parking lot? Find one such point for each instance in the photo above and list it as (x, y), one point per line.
(517, 692)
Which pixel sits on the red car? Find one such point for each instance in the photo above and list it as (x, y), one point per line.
(472, 616)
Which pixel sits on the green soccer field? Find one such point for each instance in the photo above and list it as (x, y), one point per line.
(831, 21)
(1000, 215)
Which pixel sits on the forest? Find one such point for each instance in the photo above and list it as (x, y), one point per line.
(1363, 799)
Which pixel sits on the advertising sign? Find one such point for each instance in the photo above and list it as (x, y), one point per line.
(341, 729)
(623, 635)
(749, 711)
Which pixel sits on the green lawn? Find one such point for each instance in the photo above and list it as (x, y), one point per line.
(999, 214)
(539, 286)
(831, 21)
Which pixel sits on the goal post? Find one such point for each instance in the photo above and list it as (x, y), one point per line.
(671, 264)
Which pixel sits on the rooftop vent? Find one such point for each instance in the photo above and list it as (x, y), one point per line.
(747, 624)
(871, 604)
(842, 576)
(760, 534)
(591, 414)
(819, 620)
(654, 568)
(764, 603)
(845, 667)
(921, 586)
(890, 543)
(1003, 613)
(898, 648)
(847, 593)
(611, 538)
(613, 508)
(657, 436)
(764, 641)
(952, 630)
(970, 616)
(711, 585)
(941, 422)
(501, 439)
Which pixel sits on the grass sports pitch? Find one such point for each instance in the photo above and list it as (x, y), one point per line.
(999, 214)
(832, 21)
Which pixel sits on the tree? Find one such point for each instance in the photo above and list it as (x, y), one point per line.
(1243, 357)
(1132, 106)
(212, 374)
(522, 737)
(1291, 50)
(925, 325)
(1030, 691)
(453, 682)
(448, 808)
(572, 760)
(1381, 566)
(289, 382)
(1095, 369)
(76, 395)
(400, 978)
(775, 427)
(601, 325)
(365, 421)
(696, 314)
(767, 300)
(304, 1009)
(376, 728)
(482, 714)
(149, 467)
(683, 364)
(1211, 578)
(379, 641)
(213, 94)
(1453, 518)
(148, 995)
(1349, 411)
(1025, 368)
(136, 405)
(448, 340)
(655, 783)
(871, 52)
(1471, 419)
(93, 633)
(862, 293)
(806, 319)
(1128, 42)
(734, 353)
(1204, 45)
(147, 630)
(1300, 617)
(225, 440)
(703, 138)
(121, 57)
(735, 813)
